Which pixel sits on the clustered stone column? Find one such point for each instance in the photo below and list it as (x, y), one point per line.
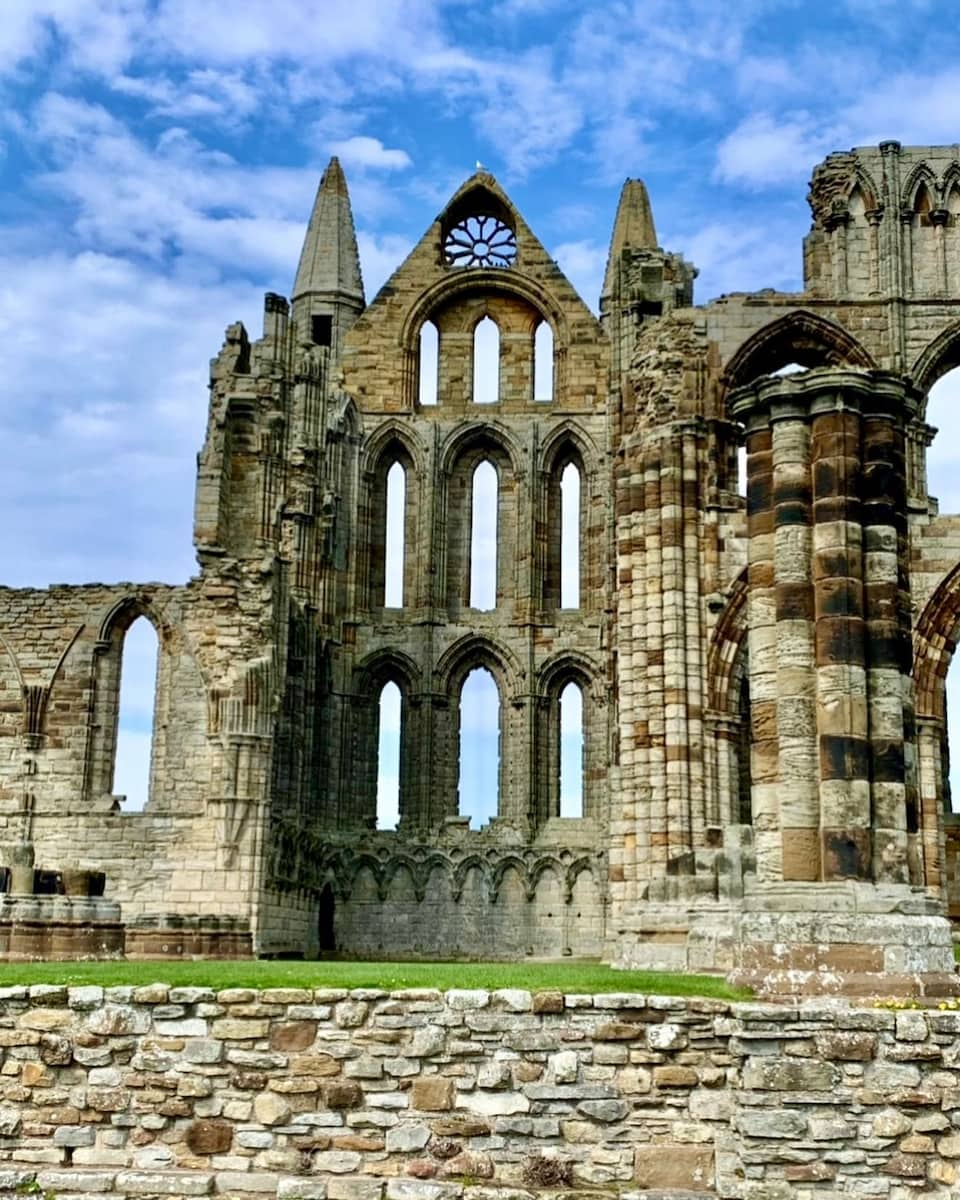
(832, 729)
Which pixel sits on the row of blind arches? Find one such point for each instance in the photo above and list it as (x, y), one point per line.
(484, 536)
(486, 363)
(478, 788)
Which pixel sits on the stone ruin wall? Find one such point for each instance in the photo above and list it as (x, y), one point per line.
(526, 883)
(271, 661)
(58, 670)
(327, 1094)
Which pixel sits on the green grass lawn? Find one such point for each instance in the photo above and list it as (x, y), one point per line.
(563, 977)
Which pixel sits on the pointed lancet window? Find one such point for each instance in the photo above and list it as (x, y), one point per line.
(543, 362)
(571, 751)
(429, 363)
(479, 779)
(570, 537)
(394, 541)
(857, 206)
(486, 362)
(388, 756)
(484, 503)
(922, 205)
(135, 716)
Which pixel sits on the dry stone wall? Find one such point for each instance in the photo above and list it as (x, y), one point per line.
(418, 1095)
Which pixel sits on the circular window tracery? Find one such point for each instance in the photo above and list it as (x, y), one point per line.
(480, 241)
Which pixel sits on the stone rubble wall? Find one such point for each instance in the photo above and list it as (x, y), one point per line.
(417, 1095)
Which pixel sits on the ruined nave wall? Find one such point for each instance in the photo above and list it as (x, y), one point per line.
(60, 666)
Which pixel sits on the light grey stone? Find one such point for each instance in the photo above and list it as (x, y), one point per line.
(406, 1138)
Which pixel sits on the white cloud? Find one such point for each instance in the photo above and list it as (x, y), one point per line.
(759, 75)
(766, 151)
(917, 107)
(115, 356)
(176, 195)
(255, 29)
(379, 257)
(583, 262)
(98, 35)
(202, 94)
(370, 153)
(741, 256)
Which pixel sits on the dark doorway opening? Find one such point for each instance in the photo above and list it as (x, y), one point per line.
(326, 933)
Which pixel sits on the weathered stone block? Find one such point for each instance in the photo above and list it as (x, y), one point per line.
(271, 1108)
(164, 1183)
(209, 1137)
(433, 1093)
(407, 1138)
(287, 1036)
(674, 1166)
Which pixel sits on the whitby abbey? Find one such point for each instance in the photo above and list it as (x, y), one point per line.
(761, 667)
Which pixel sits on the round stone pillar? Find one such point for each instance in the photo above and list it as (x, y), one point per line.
(832, 731)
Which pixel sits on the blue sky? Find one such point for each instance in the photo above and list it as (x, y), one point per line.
(158, 159)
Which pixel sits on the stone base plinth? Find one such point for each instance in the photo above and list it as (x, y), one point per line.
(846, 938)
(786, 939)
(173, 935)
(59, 927)
(676, 937)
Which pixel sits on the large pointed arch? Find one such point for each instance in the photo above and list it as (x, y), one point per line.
(950, 179)
(386, 666)
(484, 435)
(569, 433)
(123, 612)
(108, 651)
(486, 282)
(938, 357)
(474, 650)
(372, 675)
(393, 433)
(568, 445)
(934, 644)
(393, 444)
(728, 638)
(463, 452)
(801, 337)
(560, 670)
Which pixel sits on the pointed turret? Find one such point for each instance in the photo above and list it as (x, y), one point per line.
(642, 282)
(633, 228)
(328, 290)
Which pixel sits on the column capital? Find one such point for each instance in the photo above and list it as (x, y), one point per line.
(871, 393)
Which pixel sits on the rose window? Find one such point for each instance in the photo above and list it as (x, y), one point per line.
(481, 241)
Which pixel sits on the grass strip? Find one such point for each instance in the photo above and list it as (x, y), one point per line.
(390, 976)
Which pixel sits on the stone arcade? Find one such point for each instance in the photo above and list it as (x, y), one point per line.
(762, 677)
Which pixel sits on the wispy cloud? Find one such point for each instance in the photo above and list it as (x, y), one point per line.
(764, 151)
(370, 153)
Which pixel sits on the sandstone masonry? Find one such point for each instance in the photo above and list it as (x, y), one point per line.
(762, 675)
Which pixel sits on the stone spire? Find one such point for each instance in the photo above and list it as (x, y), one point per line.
(328, 281)
(633, 228)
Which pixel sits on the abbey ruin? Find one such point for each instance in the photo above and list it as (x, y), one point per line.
(762, 675)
